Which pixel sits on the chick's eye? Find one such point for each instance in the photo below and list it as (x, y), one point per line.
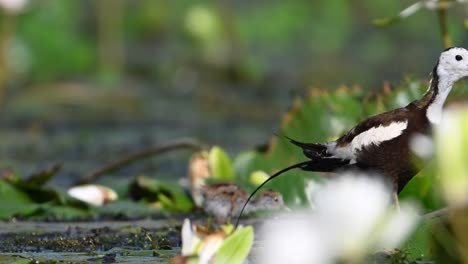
(458, 57)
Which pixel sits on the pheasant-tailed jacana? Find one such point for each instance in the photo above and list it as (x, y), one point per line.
(381, 143)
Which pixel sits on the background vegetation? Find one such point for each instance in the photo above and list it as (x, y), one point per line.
(84, 83)
(87, 81)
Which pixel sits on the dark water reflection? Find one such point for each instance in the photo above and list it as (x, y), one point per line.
(86, 134)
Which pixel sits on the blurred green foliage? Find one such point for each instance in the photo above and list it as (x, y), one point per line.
(220, 164)
(54, 40)
(236, 247)
(52, 34)
(30, 197)
(442, 234)
(161, 194)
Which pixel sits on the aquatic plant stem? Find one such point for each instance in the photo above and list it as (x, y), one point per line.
(186, 143)
(442, 15)
(110, 39)
(6, 32)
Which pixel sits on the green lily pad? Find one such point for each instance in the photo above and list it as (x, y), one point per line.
(42, 177)
(14, 202)
(236, 247)
(418, 245)
(171, 195)
(220, 164)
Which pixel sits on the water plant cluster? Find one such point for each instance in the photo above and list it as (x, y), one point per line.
(426, 238)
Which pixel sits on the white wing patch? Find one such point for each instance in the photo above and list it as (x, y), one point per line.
(375, 135)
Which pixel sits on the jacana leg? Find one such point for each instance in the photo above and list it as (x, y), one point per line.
(395, 201)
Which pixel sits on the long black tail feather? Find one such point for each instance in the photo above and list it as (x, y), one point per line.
(318, 147)
(298, 165)
(310, 150)
(327, 164)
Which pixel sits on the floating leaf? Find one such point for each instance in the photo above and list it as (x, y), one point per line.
(220, 164)
(173, 203)
(236, 247)
(127, 209)
(171, 195)
(25, 261)
(63, 212)
(227, 228)
(418, 245)
(42, 177)
(14, 202)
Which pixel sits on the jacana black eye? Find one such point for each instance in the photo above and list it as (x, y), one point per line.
(458, 57)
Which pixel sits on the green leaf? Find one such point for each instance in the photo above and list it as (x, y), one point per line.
(177, 202)
(382, 22)
(42, 177)
(61, 212)
(220, 164)
(418, 246)
(171, 195)
(258, 177)
(14, 202)
(27, 261)
(236, 247)
(227, 228)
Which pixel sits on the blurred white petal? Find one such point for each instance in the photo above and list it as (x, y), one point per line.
(200, 244)
(189, 239)
(338, 125)
(351, 220)
(399, 226)
(210, 246)
(96, 195)
(349, 206)
(402, 99)
(311, 189)
(411, 9)
(13, 6)
(294, 239)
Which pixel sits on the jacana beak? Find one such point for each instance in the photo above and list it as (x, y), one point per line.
(285, 208)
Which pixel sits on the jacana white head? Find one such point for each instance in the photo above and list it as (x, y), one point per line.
(453, 64)
(451, 67)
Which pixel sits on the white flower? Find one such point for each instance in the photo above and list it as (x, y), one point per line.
(13, 6)
(96, 195)
(189, 239)
(292, 239)
(200, 244)
(352, 219)
(399, 226)
(210, 246)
